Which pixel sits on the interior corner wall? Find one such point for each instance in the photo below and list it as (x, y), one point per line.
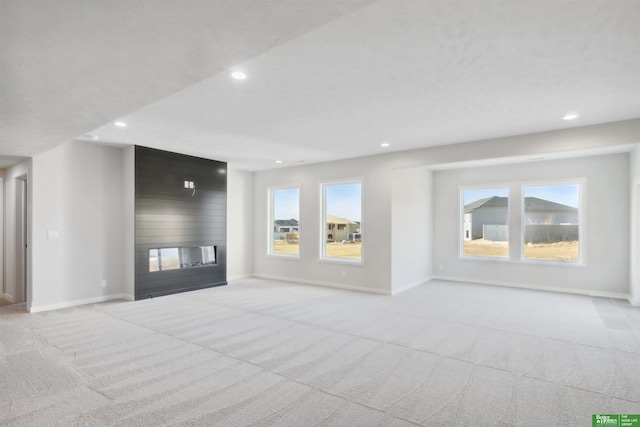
(634, 296)
(10, 176)
(76, 192)
(412, 225)
(129, 222)
(606, 213)
(240, 208)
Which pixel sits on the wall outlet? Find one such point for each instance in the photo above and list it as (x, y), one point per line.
(103, 283)
(441, 267)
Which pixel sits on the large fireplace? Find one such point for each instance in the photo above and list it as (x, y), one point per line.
(181, 222)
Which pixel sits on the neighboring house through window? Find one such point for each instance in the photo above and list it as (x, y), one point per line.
(341, 218)
(284, 230)
(550, 219)
(485, 222)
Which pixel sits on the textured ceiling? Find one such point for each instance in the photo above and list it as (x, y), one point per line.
(327, 79)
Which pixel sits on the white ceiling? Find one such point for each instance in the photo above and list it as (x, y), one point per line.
(328, 79)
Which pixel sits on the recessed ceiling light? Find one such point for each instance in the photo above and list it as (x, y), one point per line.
(384, 144)
(571, 116)
(239, 75)
(120, 124)
(278, 161)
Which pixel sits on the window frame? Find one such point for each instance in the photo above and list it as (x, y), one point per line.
(323, 221)
(582, 220)
(271, 220)
(461, 229)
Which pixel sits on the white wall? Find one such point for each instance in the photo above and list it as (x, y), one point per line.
(77, 190)
(81, 190)
(10, 176)
(240, 234)
(2, 227)
(129, 222)
(556, 142)
(635, 226)
(86, 192)
(412, 225)
(605, 236)
(374, 274)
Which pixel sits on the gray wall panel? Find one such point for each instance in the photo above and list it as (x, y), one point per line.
(168, 215)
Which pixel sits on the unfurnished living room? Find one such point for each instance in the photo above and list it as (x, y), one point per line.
(319, 212)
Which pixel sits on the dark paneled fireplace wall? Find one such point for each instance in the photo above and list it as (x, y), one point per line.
(171, 214)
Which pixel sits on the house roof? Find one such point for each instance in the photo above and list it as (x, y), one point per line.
(530, 204)
(332, 219)
(287, 222)
(536, 204)
(493, 201)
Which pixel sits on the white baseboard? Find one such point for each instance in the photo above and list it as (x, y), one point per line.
(537, 288)
(67, 304)
(323, 284)
(239, 277)
(8, 297)
(395, 291)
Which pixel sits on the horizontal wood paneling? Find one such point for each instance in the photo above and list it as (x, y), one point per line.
(190, 217)
(169, 215)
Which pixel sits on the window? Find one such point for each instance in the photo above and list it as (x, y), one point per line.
(284, 237)
(342, 213)
(485, 214)
(551, 221)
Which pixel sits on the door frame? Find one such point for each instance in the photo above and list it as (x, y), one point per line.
(22, 239)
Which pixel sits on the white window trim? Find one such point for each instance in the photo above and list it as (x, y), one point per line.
(271, 218)
(323, 220)
(582, 221)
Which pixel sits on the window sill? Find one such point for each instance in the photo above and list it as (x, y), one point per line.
(350, 261)
(284, 256)
(484, 258)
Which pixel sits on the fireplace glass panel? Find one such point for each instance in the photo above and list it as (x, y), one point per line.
(163, 259)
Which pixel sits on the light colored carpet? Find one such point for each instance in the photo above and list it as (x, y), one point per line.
(265, 353)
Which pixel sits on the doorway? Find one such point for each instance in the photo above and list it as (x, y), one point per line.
(22, 238)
